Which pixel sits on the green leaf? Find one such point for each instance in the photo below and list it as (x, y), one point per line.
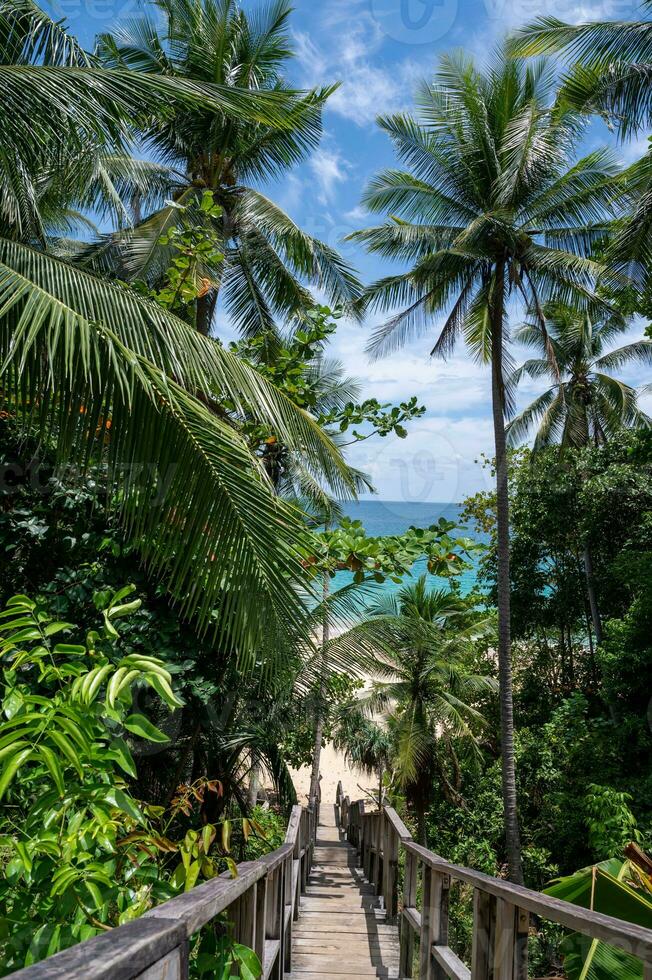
(125, 803)
(250, 966)
(54, 768)
(69, 650)
(139, 725)
(119, 752)
(55, 628)
(192, 875)
(11, 768)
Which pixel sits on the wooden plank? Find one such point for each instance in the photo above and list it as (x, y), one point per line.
(399, 827)
(174, 966)
(439, 898)
(521, 945)
(481, 959)
(261, 918)
(450, 963)
(504, 940)
(121, 954)
(407, 926)
(272, 950)
(427, 935)
(197, 907)
(294, 823)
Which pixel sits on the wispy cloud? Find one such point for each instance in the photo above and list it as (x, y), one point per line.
(368, 88)
(330, 169)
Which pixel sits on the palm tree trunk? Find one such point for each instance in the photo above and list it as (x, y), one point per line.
(512, 832)
(593, 598)
(205, 311)
(422, 830)
(254, 784)
(319, 711)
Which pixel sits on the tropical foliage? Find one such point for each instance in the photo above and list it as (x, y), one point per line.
(81, 853)
(415, 644)
(267, 257)
(509, 726)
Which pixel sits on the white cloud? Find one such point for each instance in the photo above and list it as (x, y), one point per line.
(330, 169)
(439, 460)
(367, 88)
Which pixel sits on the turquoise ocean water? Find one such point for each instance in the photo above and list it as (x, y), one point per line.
(383, 517)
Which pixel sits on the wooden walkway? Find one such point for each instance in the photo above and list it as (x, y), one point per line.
(341, 930)
(312, 910)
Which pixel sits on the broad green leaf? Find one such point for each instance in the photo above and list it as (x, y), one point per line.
(54, 768)
(192, 875)
(55, 628)
(140, 726)
(69, 650)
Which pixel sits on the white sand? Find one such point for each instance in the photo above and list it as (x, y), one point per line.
(334, 768)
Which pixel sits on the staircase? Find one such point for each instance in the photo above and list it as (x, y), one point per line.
(342, 930)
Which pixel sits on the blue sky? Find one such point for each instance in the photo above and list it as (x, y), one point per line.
(379, 50)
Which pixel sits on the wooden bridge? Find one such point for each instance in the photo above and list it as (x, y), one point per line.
(327, 903)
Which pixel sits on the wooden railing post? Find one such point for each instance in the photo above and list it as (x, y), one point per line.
(261, 919)
(390, 871)
(484, 911)
(243, 916)
(409, 902)
(504, 940)
(521, 947)
(427, 935)
(287, 919)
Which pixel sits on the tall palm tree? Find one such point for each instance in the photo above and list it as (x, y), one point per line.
(267, 257)
(492, 209)
(585, 403)
(114, 379)
(414, 643)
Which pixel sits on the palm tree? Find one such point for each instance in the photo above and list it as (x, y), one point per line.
(115, 380)
(585, 403)
(266, 255)
(415, 642)
(365, 744)
(491, 210)
(611, 75)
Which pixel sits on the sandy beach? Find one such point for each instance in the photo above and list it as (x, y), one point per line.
(334, 768)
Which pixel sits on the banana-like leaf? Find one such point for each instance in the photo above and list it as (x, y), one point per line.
(603, 888)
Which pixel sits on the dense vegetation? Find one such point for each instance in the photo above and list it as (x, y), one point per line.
(171, 641)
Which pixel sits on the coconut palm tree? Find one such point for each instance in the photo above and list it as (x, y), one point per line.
(585, 403)
(116, 381)
(492, 209)
(611, 75)
(267, 257)
(415, 643)
(611, 64)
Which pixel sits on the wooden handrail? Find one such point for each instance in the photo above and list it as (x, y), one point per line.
(262, 903)
(501, 910)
